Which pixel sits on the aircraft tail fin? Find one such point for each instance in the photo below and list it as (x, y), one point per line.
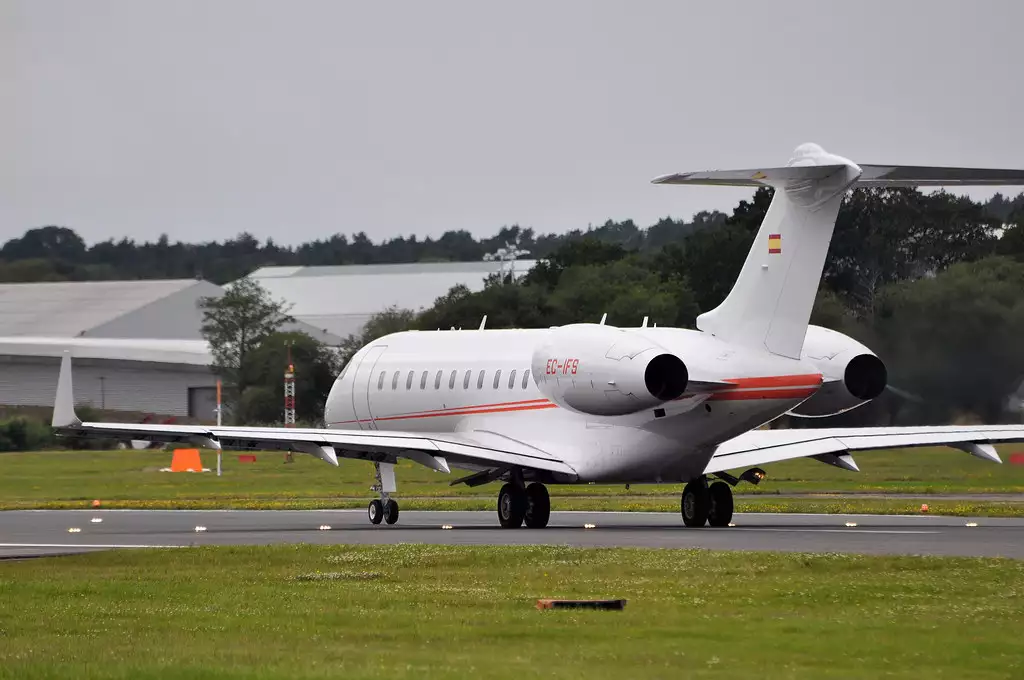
(770, 303)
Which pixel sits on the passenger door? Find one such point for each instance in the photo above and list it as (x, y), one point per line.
(362, 383)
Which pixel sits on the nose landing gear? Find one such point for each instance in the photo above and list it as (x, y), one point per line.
(386, 508)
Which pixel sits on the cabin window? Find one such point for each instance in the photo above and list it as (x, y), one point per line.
(437, 379)
(423, 380)
(451, 381)
(408, 381)
(480, 380)
(497, 378)
(380, 381)
(512, 379)
(465, 381)
(394, 380)
(526, 378)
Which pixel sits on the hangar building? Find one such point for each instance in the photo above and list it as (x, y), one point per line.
(136, 345)
(341, 299)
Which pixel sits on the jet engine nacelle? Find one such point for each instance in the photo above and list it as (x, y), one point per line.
(606, 371)
(852, 374)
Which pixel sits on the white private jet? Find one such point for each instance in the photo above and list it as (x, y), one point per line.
(589, 402)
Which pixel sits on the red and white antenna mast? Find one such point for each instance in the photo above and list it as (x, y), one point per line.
(289, 391)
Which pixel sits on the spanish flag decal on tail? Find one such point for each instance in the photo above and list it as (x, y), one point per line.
(774, 243)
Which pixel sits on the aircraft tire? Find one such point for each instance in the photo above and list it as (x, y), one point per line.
(538, 506)
(720, 512)
(375, 511)
(391, 511)
(695, 504)
(511, 506)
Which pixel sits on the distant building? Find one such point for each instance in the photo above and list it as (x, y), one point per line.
(341, 299)
(137, 345)
(105, 309)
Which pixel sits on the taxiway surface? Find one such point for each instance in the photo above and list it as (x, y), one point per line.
(32, 533)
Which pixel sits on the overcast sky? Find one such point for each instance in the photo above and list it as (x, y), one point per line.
(296, 120)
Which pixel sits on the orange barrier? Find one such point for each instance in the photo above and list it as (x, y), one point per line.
(1017, 458)
(186, 460)
(246, 458)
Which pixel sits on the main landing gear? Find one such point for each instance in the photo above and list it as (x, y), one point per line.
(702, 504)
(518, 505)
(386, 508)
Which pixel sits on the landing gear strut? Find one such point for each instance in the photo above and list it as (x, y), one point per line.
(702, 504)
(517, 505)
(386, 508)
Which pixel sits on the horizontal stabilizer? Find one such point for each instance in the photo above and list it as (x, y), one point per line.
(755, 177)
(871, 176)
(924, 176)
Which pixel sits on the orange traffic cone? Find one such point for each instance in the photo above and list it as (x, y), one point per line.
(186, 460)
(924, 507)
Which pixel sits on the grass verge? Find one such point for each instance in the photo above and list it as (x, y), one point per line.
(132, 479)
(405, 611)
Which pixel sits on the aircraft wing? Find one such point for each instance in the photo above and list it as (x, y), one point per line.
(758, 447)
(434, 450)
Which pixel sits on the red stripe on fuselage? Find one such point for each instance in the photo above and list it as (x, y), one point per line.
(778, 381)
(785, 393)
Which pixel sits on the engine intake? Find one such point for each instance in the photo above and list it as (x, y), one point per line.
(865, 376)
(666, 377)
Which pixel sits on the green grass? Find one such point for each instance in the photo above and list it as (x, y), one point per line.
(452, 612)
(132, 479)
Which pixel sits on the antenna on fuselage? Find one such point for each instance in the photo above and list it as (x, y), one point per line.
(644, 324)
(483, 322)
(603, 318)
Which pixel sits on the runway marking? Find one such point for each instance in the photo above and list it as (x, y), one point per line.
(839, 531)
(84, 545)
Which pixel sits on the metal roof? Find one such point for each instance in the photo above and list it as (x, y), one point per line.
(75, 307)
(481, 267)
(340, 299)
(191, 352)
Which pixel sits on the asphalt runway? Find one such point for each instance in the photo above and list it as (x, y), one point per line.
(34, 533)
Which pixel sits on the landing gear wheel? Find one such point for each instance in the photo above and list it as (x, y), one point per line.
(538, 506)
(511, 506)
(695, 504)
(391, 511)
(375, 511)
(720, 512)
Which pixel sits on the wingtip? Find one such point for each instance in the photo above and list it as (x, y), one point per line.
(64, 403)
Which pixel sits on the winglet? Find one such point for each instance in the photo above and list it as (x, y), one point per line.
(64, 403)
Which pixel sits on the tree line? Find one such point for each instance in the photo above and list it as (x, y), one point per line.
(58, 253)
